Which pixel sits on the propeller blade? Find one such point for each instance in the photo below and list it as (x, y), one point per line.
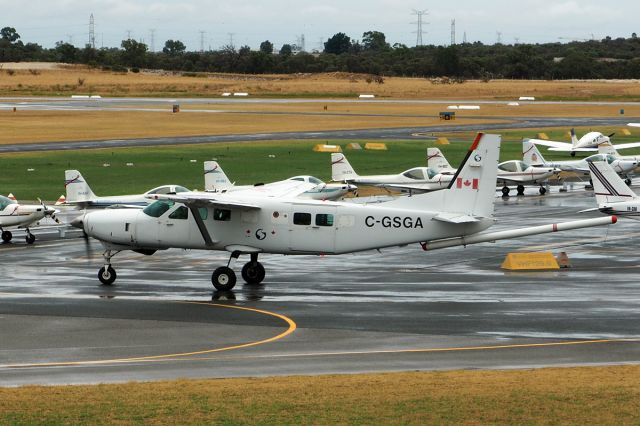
(611, 135)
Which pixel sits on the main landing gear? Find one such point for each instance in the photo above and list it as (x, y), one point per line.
(506, 190)
(224, 279)
(7, 236)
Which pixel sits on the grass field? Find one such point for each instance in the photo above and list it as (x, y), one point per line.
(244, 163)
(553, 396)
(81, 80)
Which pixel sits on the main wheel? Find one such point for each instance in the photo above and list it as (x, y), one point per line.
(543, 190)
(627, 181)
(253, 272)
(30, 238)
(223, 278)
(505, 191)
(520, 189)
(107, 275)
(6, 236)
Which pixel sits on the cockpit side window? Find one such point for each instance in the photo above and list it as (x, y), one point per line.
(180, 213)
(158, 208)
(414, 174)
(4, 202)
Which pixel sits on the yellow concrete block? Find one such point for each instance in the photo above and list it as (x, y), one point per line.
(327, 148)
(530, 261)
(442, 141)
(625, 132)
(354, 145)
(542, 136)
(376, 146)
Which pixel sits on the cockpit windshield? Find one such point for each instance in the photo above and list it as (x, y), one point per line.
(158, 208)
(4, 202)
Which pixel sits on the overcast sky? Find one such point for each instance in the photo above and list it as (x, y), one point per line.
(284, 21)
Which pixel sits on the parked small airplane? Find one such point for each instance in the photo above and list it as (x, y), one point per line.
(612, 195)
(532, 156)
(512, 171)
(216, 180)
(587, 143)
(417, 179)
(248, 224)
(13, 214)
(80, 194)
(609, 149)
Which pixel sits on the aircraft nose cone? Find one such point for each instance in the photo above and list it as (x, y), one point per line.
(77, 222)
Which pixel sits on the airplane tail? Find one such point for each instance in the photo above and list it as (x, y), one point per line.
(531, 155)
(608, 187)
(436, 160)
(574, 138)
(469, 196)
(608, 149)
(77, 188)
(341, 169)
(215, 179)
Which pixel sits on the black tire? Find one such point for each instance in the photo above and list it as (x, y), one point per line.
(223, 278)
(543, 190)
(520, 189)
(6, 236)
(107, 275)
(253, 272)
(505, 191)
(627, 181)
(30, 238)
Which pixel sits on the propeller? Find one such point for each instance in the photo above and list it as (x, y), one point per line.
(49, 212)
(611, 135)
(78, 222)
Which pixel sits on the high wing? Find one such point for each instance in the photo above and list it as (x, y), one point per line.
(557, 146)
(283, 188)
(416, 187)
(205, 199)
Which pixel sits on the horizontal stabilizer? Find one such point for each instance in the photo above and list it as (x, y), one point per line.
(455, 218)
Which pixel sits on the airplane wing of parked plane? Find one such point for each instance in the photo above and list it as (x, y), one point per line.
(561, 146)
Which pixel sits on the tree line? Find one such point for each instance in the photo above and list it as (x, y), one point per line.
(594, 59)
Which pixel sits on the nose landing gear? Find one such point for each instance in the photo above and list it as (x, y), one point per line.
(106, 274)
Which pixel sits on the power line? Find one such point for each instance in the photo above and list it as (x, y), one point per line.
(419, 22)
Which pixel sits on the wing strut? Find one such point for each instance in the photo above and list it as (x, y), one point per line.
(201, 226)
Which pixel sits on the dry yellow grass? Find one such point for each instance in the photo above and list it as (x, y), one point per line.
(67, 80)
(607, 395)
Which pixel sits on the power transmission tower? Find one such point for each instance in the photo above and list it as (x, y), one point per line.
(231, 40)
(419, 22)
(92, 32)
(464, 37)
(499, 37)
(202, 41)
(128, 34)
(153, 39)
(300, 43)
(453, 32)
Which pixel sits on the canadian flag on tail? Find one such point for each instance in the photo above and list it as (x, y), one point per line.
(467, 183)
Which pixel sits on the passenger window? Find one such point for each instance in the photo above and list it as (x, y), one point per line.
(302, 218)
(324, 220)
(204, 213)
(221, 214)
(180, 213)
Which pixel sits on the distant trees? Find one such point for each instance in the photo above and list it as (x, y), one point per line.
(266, 47)
(134, 53)
(174, 47)
(9, 34)
(374, 40)
(338, 44)
(286, 50)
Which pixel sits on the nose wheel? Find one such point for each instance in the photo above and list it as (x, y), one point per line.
(30, 238)
(106, 274)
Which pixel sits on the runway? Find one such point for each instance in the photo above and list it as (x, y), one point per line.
(395, 310)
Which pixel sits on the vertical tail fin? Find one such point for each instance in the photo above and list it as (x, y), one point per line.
(437, 161)
(469, 197)
(531, 155)
(574, 138)
(77, 188)
(608, 149)
(608, 187)
(341, 169)
(215, 179)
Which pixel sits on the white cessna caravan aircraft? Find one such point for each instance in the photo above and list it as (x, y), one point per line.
(417, 179)
(587, 143)
(80, 194)
(13, 214)
(216, 180)
(612, 195)
(512, 171)
(248, 224)
(532, 156)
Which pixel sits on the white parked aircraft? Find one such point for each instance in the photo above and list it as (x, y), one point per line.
(80, 194)
(253, 225)
(612, 195)
(609, 149)
(512, 171)
(587, 143)
(216, 180)
(417, 179)
(532, 156)
(15, 215)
